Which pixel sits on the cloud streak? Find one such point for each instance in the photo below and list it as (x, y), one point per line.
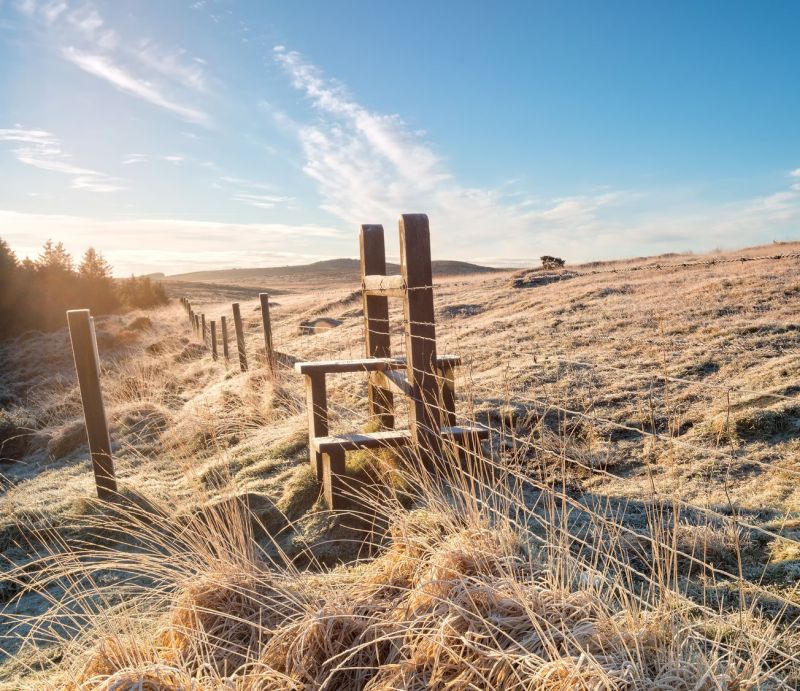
(40, 149)
(103, 68)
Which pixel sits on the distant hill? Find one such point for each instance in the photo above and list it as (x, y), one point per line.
(346, 269)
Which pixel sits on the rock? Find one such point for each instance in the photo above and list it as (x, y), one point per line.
(315, 326)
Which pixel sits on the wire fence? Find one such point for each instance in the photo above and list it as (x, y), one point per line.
(553, 431)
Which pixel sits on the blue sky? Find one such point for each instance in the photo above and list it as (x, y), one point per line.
(190, 134)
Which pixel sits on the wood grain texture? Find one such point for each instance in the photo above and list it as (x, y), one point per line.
(376, 320)
(87, 366)
(239, 328)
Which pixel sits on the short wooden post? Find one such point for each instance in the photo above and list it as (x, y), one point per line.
(197, 325)
(265, 321)
(203, 327)
(376, 321)
(224, 325)
(317, 404)
(415, 261)
(213, 339)
(87, 365)
(333, 476)
(237, 325)
(448, 401)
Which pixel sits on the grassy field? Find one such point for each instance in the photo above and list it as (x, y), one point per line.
(634, 521)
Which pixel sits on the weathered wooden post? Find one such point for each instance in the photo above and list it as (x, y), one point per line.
(87, 365)
(415, 261)
(237, 325)
(265, 321)
(376, 321)
(225, 351)
(203, 328)
(197, 325)
(213, 339)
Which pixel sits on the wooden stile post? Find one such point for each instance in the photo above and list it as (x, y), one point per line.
(87, 365)
(213, 339)
(317, 403)
(237, 325)
(265, 321)
(376, 321)
(225, 351)
(415, 260)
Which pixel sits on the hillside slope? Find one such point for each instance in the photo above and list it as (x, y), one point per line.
(646, 429)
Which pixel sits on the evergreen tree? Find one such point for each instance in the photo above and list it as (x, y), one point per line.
(97, 284)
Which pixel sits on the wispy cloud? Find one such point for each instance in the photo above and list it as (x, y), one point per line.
(132, 159)
(141, 68)
(369, 167)
(175, 65)
(40, 149)
(164, 241)
(102, 67)
(261, 201)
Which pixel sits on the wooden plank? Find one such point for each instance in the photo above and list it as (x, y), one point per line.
(382, 286)
(214, 353)
(237, 325)
(366, 365)
(456, 432)
(269, 354)
(317, 404)
(362, 440)
(87, 366)
(415, 262)
(392, 381)
(376, 320)
(334, 366)
(225, 348)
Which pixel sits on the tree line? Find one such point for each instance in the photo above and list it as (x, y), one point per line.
(35, 293)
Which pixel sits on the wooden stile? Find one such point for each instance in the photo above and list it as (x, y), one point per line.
(428, 383)
(237, 325)
(213, 339)
(87, 366)
(269, 354)
(224, 327)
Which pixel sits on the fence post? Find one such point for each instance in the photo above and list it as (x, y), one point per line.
(87, 365)
(203, 328)
(415, 260)
(237, 325)
(224, 324)
(265, 320)
(376, 321)
(213, 339)
(197, 325)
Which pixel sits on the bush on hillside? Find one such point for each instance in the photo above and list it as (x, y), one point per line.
(549, 262)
